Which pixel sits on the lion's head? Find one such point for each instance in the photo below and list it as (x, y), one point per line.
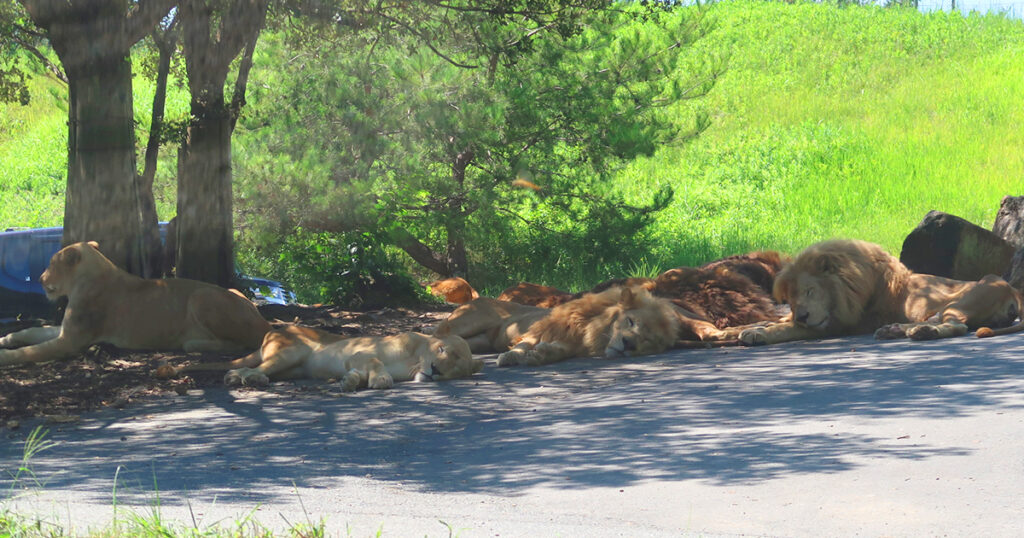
(832, 285)
(642, 324)
(451, 358)
(68, 265)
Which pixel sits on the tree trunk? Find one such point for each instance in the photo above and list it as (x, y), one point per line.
(205, 231)
(101, 199)
(205, 241)
(93, 39)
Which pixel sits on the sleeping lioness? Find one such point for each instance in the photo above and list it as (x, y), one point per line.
(106, 304)
(375, 362)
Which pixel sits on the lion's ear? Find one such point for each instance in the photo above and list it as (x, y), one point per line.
(627, 298)
(94, 245)
(71, 256)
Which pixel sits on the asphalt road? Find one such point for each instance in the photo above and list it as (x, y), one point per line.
(846, 437)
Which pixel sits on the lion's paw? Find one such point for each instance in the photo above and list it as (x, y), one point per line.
(351, 381)
(248, 377)
(381, 381)
(509, 358)
(755, 336)
(924, 332)
(519, 357)
(890, 332)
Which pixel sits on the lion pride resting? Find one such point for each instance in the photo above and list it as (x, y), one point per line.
(106, 304)
(844, 287)
(375, 362)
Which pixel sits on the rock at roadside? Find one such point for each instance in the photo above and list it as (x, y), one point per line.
(1010, 221)
(949, 246)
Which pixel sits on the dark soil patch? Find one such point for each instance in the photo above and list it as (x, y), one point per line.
(105, 376)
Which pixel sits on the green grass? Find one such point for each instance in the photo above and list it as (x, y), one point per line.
(33, 157)
(842, 122)
(830, 122)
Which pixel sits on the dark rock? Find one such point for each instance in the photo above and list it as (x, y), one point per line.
(949, 246)
(1009, 223)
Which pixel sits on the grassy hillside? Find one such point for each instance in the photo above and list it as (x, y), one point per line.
(843, 122)
(33, 157)
(33, 152)
(830, 122)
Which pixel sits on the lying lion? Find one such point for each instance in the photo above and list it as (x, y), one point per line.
(106, 304)
(375, 362)
(842, 287)
(490, 325)
(620, 321)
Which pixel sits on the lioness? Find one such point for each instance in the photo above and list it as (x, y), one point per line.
(490, 325)
(106, 304)
(375, 362)
(843, 287)
(617, 322)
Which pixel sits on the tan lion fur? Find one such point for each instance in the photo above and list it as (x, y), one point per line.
(528, 293)
(490, 325)
(843, 287)
(616, 322)
(375, 362)
(454, 290)
(108, 305)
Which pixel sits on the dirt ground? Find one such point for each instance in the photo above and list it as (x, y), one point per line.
(105, 376)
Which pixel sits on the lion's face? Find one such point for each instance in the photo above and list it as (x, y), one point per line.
(58, 278)
(812, 299)
(831, 284)
(641, 326)
(451, 359)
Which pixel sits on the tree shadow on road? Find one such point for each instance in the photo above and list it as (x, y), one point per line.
(726, 417)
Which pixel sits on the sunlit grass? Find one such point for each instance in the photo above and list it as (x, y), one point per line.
(843, 122)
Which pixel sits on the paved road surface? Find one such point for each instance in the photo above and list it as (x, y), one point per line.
(846, 437)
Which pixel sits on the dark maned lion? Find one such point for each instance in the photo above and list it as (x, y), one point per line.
(843, 287)
(759, 267)
(719, 295)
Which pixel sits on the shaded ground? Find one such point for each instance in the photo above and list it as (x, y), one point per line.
(104, 376)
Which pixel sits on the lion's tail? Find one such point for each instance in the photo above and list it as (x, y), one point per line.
(251, 360)
(985, 332)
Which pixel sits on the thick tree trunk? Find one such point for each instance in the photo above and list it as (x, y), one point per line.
(93, 39)
(101, 199)
(205, 231)
(205, 241)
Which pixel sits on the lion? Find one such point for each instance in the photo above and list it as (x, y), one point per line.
(719, 294)
(528, 293)
(843, 287)
(454, 290)
(375, 362)
(760, 267)
(109, 305)
(618, 322)
(490, 325)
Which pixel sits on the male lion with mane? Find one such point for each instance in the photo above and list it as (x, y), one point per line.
(106, 304)
(617, 322)
(842, 287)
(375, 362)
